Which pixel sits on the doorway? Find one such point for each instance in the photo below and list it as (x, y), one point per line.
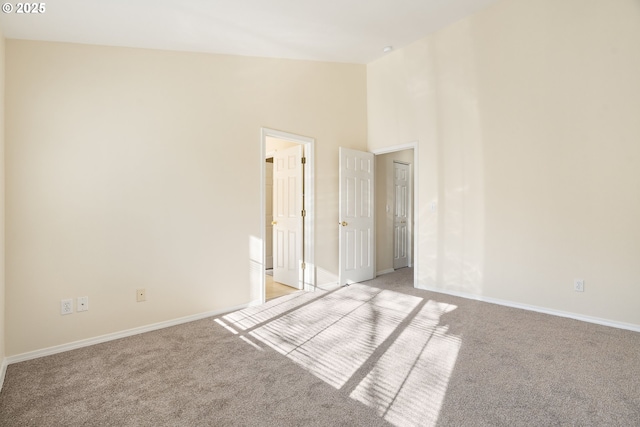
(366, 248)
(396, 204)
(287, 208)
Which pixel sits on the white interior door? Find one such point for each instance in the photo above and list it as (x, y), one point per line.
(268, 244)
(401, 210)
(356, 222)
(287, 216)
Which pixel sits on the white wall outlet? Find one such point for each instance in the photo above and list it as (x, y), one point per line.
(578, 285)
(82, 304)
(66, 306)
(141, 295)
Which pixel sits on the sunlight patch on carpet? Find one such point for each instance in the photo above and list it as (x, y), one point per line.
(252, 316)
(334, 337)
(409, 382)
(224, 325)
(389, 349)
(248, 341)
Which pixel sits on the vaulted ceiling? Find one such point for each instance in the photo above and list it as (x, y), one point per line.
(354, 31)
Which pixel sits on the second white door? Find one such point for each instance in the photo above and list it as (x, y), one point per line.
(356, 223)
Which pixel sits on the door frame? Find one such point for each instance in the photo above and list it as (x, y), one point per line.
(309, 281)
(416, 203)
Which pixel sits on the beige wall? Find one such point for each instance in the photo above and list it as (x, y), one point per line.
(527, 120)
(131, 168)
(384, 198)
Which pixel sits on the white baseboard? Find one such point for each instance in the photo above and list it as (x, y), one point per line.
(387, 271)
(512, 304)
(251, 304)
(330, 286)
(3, 371)
(113, 336)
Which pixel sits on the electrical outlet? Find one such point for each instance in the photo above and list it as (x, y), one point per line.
(66, 306)
(82, 304)
(578, 285)
(141, 295)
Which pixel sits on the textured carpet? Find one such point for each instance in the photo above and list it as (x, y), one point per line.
(372, 354)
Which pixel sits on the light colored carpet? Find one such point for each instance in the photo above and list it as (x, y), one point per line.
(372, 354)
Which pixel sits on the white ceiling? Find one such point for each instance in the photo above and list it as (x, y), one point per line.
(325, 30)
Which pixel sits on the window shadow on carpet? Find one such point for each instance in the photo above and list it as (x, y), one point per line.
(382, 348)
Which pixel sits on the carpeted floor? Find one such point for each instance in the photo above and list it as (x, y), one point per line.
(373, 354)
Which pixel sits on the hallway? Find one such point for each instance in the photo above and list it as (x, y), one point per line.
(274, 289)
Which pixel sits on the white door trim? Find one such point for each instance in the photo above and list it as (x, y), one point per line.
(416, 203)
(309, 203)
